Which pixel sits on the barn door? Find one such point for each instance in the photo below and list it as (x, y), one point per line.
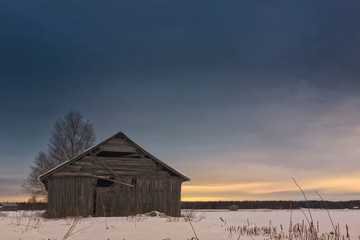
(104, 198)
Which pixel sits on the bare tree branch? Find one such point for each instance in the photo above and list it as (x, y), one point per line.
(70, 137)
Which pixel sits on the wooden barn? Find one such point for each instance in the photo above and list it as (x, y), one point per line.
(114, 178)
(6, 206)
(233, 207)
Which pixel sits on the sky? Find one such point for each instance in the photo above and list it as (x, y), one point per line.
(241, 96)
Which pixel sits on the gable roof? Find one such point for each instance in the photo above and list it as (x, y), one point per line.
(42, 178)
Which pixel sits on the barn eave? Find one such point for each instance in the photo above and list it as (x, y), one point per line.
(43, 178)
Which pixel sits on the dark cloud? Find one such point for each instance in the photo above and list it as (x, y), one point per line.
(206, 76)
(89, 38)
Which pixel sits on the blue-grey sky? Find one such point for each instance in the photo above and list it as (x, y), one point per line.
(239, 95)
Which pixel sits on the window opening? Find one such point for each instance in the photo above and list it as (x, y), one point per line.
(113, 154)
(104, 183)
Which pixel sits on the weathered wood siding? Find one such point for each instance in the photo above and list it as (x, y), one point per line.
(74, 190)
(161, 194)
(121, 165)
(71, 196)
(79, 196)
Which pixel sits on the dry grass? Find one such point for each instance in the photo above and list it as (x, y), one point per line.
(299, 231)
(2, 214)
(27, 220)
(173, 219)
(333, 235)
(189, 215)
(71, 229)
(135, 218)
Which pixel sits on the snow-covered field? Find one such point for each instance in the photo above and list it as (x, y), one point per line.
(207, 224)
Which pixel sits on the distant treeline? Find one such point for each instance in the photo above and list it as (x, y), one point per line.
(32, 206)
(271, 204)
(241, 205)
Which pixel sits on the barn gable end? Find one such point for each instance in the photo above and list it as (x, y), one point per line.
(114, 178)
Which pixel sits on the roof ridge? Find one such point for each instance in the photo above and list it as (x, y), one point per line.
(43, 176)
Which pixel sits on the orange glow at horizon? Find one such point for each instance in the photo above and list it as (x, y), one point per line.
(262, 190)
(15, 199)
(255, 190)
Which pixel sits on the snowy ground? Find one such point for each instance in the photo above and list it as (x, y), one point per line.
(207, 224)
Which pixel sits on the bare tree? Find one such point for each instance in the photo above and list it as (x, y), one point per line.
(41, 164)
(70, 137)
